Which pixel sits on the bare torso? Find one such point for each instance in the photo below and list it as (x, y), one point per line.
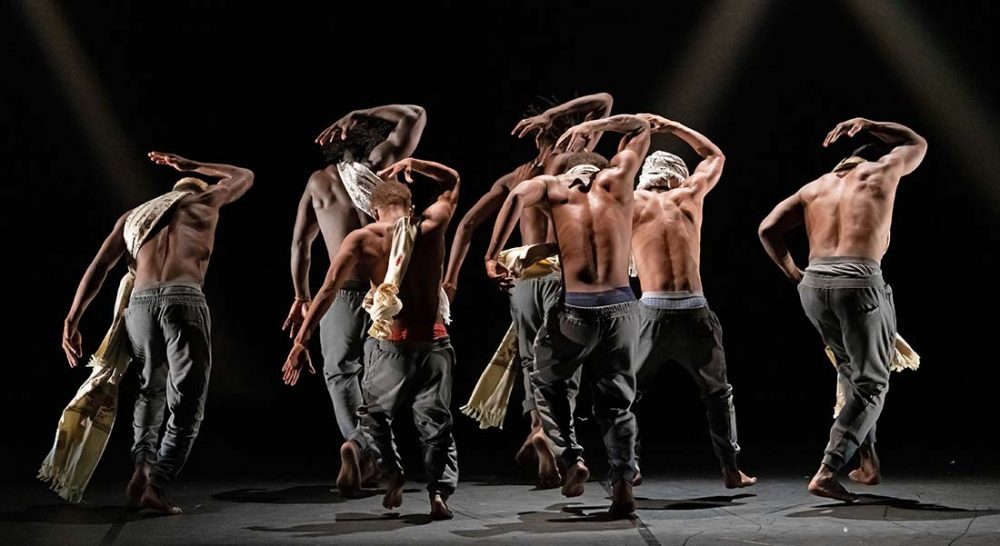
(849, 216)
(666, 239)
(534, 224)
(593, 228)
(335, 213)
(180, 250)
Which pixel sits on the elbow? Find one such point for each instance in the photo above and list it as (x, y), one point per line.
(765, 231)
(416, 112)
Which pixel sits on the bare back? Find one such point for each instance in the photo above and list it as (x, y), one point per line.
(335, 212)
(666, 239)
(593, 227)
(850, 216)
(180, 250)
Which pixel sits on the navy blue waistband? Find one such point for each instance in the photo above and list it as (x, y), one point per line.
(600, 299)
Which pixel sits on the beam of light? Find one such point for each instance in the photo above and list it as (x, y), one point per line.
(79, 81)
(708, 65)
(944, 95)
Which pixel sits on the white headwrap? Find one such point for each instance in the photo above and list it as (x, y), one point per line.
(585, 171)
(659, 168)
(359, 181)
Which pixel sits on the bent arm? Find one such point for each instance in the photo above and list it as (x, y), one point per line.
(410, 121)
(340, 268)
(529, 193)
(785, 217)
(111, 251)
(487, 206)
(303, 235)
(910, 147)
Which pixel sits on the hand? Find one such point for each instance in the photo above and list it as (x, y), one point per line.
(293, 364)
(657, 124)
(403, 165)
(173, 160)
(500, 275)
(575, 138)
(795, 275)
(449, 290)
(72, 344)
(339, 129)
(851, 127)
(540, 123)
(296, 316)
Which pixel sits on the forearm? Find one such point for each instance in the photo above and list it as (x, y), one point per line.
(894, 133)
(701, 144)
(506, 221)
(219, 170)
(301, 261)
(598, 104)
(622, 123)
(393, 112)
(89, 286)
(777, 250)
(443, 175)
(459, 250)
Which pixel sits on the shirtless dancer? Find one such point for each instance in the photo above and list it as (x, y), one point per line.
(167, 321)
(414, 366)
(530, 299)
(847, 215)
(362, 140)
(597, 324)
(677, 324)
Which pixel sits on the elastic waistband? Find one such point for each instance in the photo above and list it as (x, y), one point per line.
(355, 285)
(168, 293)
(409, 345)
(825, 280)
(660, 313)
(603, 298)
(604, 311)
(827, 260)
(555, 276)
(674, 300)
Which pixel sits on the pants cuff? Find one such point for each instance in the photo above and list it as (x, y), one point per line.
(144, 457)
(834, 461)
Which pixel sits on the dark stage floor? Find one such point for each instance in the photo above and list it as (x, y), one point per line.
(671, 511)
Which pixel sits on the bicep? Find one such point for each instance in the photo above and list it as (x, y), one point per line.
(707, 174)
(230, 189)
(306, 225)
(113, 247)
(400, 143)
(903, 160)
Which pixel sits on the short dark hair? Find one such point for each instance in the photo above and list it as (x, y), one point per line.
(873, 151)
(391, 193)
(584, 158)
(367, 133)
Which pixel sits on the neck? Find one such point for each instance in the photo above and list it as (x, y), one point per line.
(392, 214)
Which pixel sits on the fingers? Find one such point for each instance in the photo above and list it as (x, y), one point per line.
(70, 357)
(408, 174)
(309, 361)
(855, 128)
(518, 127)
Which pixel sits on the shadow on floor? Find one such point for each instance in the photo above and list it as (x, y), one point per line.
(348, 523)
(878, 507)
(301, 494)
(554, 520)
(66, 514)
(700, 503)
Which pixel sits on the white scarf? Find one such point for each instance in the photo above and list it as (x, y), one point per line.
(359, 181)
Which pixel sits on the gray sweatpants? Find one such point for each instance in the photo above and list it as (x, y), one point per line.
(846, 299)
(693, 339)
(342, 334)
(170, 330)
(418, 374)
(531, 300)
(603, 340)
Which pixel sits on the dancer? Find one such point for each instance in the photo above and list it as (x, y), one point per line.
(847, 215)
(168, 242)
(335, 203)
(597, 324)
(409, 359)
(677, 324)
(531, 298)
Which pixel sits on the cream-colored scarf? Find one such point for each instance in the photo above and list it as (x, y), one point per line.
(488, 401)
(86, 422)
(905, 358)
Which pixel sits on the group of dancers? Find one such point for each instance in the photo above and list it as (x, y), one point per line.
(586, 222)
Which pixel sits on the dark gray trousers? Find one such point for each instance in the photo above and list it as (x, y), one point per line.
(418, 374)
(170, 330)
(602, 339)
(851, 306)
(342, 334)
(693, 339)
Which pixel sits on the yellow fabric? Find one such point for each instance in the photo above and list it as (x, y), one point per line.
(905, 358)
(382, 301)
(488, 401)
(85, 424)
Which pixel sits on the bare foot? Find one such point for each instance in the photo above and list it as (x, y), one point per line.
(735, 478)
(139, 481)
(526, 455)
(576, 477)
(637, 479)
(548, 472)
(825, 484)
(154, 499)
(371, 473)
(394, 495)
(622, 501)
(439, 508)
(869, 471)
(349, 479)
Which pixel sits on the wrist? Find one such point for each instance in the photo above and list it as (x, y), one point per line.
(303, 300)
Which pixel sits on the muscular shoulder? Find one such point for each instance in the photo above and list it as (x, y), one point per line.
(322, 180)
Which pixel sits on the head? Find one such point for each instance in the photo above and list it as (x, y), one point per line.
(191, 184)
(367, 133)
(575, 159)
(662, 170)
(391, 200)
(868, 152)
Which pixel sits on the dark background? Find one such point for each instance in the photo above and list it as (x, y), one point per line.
(219, 81)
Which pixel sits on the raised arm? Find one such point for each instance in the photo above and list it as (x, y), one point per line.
(303, 235)
(409, 120)
(232, 184)
(487, 206)
(439, 213)
(588, 107)
(909, 147)
(340, 267)
(631, 149)
(109, 254)
(785, 217)
(529, 193)
(708, 172)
